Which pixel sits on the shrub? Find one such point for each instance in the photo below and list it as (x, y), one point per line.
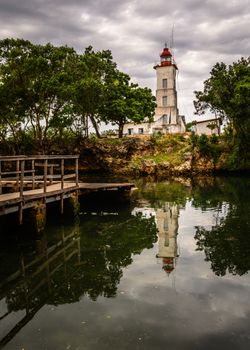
(203, 144)
(214, 139)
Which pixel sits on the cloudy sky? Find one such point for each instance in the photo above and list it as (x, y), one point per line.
(205, 32)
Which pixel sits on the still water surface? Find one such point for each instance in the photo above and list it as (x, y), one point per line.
(168, 271)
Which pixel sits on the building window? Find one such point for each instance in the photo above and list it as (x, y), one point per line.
(130, 131)
(164, 83)
(164, 100)
(140, 131)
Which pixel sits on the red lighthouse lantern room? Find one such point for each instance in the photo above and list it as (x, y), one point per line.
(166, 57)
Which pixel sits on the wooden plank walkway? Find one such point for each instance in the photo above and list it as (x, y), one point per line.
(11, 202)
(8, 198)
(32, 180)
(104, 186)
(54, 189)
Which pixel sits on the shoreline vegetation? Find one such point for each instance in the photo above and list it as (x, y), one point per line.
(160, 156)
(156, 155)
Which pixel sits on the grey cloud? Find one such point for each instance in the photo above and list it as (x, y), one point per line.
(205, 32)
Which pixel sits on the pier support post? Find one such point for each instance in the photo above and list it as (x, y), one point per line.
(38, 217)
(73, 206)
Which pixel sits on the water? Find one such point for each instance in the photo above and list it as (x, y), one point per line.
(168, 271)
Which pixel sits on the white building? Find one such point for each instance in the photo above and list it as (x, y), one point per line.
(207, 127)
(166, 119)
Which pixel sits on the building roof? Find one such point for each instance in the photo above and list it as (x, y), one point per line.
(208, 120)
(166, 52)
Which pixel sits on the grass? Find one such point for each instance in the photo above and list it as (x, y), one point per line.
(168, 148)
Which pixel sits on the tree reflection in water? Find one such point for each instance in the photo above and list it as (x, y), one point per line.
(108, 246)
(87, 259)
(227, 244)
(64, 266)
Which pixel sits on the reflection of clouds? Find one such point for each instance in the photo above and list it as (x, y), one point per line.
(146, 212)
(201, 303)
(191, 217)
(150, 312)
(146, 307)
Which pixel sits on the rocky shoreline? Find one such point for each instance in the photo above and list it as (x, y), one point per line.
(142, 157)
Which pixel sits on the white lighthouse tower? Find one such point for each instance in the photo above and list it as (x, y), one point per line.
(167, 118)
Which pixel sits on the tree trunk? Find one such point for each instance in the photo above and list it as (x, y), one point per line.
(120, 130)
(95, 125)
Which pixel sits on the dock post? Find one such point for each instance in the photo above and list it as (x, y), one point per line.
(0, 177)
(33, 173)
(20, 216)
(18, 175)
(38, 217)
(72, 206)
(77, 177)
(45, 175)
(62, 185)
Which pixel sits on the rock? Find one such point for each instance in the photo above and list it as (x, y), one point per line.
(187, 156)
(164, 166)
(169, 149)
(183, 168)
(148, 166)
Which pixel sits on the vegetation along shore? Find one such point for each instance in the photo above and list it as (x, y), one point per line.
(49, 97)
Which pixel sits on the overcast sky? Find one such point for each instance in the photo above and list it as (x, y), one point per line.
(205, 32)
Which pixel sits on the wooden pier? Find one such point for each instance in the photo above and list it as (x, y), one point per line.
(32, 182)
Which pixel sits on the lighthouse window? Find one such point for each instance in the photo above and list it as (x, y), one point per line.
(164, 100)
(164, 83)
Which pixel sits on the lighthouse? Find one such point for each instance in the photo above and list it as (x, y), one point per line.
(166, 118)
(166, 113)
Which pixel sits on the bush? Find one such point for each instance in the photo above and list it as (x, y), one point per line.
(214, 139)
(156, 136)
(203, 144)
(207, 146)
(181, 138)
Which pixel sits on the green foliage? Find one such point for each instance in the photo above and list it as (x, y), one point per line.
(189, 125)
(227, 94)
(34, 84)
(48, 89)
(214, 139)
(180, 138)
(209, 146)
(203, 144)
(155, 137)
(164, 148)
(125, 102)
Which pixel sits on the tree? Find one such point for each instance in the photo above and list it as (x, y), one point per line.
(11, 93)
(94, 71)
(227, 94)
(126, 102)
(189, 125)
(34, 85)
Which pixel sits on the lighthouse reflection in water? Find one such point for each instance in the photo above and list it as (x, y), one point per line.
(166, 219)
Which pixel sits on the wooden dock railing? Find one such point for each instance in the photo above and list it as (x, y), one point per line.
(33, 182)
(38, 171)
